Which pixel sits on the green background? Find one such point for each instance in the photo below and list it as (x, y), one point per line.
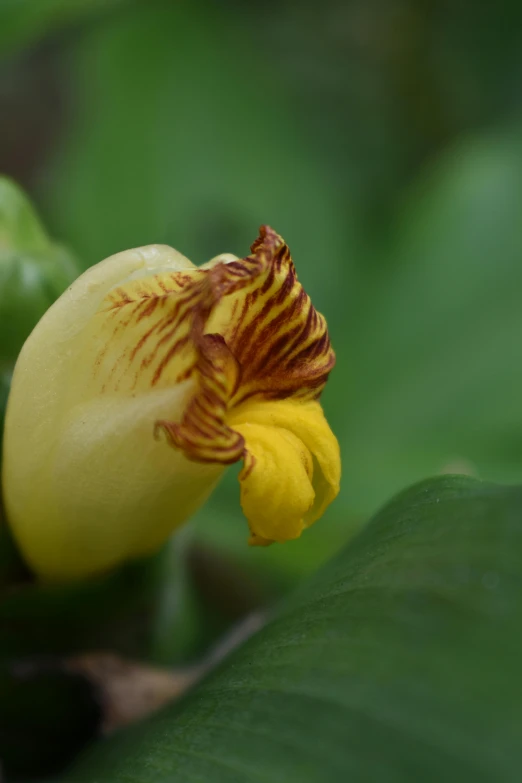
(383, 140)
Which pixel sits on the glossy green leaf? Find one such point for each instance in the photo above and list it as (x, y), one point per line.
(399, 661)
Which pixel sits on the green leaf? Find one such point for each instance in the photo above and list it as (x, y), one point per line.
(399, 661)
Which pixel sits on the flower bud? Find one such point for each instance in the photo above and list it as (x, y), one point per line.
(143, 382)
(33, 271)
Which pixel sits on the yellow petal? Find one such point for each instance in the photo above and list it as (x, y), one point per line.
(86, 484)
(142, 332)
(107, 491)
(292, 467)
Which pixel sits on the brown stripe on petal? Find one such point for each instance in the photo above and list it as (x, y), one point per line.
(203, 434)
(144, 331)
(279, 339)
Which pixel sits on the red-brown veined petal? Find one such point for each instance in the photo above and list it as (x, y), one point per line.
(143, 332)
(271, 326)
(273, 345)
(203, 434)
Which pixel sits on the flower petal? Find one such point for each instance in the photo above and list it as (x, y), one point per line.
(276, 486)
(292, 467)
(271, 327)
(107, 491)
(143, 332)
(273, 345)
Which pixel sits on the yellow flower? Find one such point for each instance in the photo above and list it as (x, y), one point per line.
(143, 382)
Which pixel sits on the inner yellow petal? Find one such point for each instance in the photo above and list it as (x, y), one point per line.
(292, 466)
(276, 488)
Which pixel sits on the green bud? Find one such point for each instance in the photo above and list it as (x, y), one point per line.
(33, 271)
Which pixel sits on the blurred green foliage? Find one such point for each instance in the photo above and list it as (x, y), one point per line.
(23, 22)
(382, 139)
